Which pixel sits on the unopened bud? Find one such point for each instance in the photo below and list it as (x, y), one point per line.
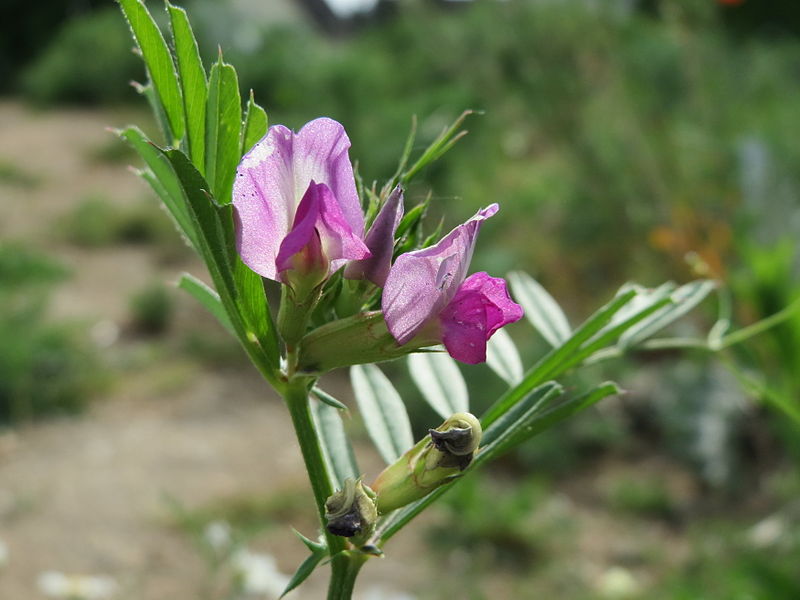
(351, 511)
(436, 459)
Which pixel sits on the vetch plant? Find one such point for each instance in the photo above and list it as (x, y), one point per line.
(360, 284)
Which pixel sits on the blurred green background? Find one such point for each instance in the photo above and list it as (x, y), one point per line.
(624, 140)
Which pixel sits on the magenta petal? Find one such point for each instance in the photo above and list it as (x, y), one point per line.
(464, 327)
(380, 241)
(321, 231)
(303, 230)
(480, 307)
(421, 283)
(500, 308)
(274, 176)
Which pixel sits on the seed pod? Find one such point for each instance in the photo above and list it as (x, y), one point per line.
(351, 511)
(433, 461)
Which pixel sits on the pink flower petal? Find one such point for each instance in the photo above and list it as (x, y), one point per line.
(273, 178)
(421, 283)
(480, 307)
(320, 234)
(380, 241)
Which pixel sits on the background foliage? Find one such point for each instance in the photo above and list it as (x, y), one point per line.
(647, 143)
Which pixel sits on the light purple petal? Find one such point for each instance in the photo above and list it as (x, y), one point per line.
(321, 232)
(480, 307)
(321, 155)
(272, 179)
(263, 199)
(421, 283)
(380, 241)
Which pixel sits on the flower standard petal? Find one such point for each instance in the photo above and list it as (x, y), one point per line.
(421, 283)
(273, 178)
(380, 241)
(321, 155)
(263, 199)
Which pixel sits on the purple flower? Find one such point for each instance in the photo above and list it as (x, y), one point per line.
(296, 205)
(427, 293)
(380, 242)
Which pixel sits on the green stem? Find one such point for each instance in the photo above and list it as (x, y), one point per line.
(345, 564)
(297, 400)
(345, 570)
(760, 326)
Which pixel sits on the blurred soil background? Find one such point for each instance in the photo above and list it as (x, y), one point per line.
(625, 141)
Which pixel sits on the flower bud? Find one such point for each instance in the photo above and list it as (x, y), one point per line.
(436, 459)
(351, 512)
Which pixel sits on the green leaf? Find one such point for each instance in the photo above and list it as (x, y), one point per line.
(503, 358)
(338, 454)
(401, 165)
(499, 434)
(410, 219)
(159, 63)
(252, 303)
(214, 223)
(530, 418)
(440, 381)
(541, 309)
(444, 142)
(255, 125)
(313, 547)
(207, 297)
(555, 362)
(192, 79)
(305, 569)
(149, 93)
(598, 345)
(535, 418)
(383, 411)
(223, 128)
(169, 186)
(684, 299)
(325, 397)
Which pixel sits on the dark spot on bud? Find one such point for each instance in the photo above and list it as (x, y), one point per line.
(453, 441)
(346, 525)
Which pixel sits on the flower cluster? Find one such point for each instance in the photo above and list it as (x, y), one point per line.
(299, 220)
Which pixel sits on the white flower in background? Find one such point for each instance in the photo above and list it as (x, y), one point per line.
(258, 575)
(767, 532)
(617, 582)
(54, 584)
(4, 554)
(217, 534)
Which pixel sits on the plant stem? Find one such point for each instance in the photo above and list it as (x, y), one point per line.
(345, 570)
(297, 400)
(760, 326)
(344, 564)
